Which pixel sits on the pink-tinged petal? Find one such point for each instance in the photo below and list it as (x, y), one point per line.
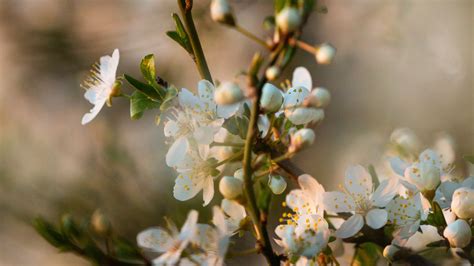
(338, 202)
(351, 226)
(218, 219)
(302, 77)
(358, 182)
(208, 190)
(385, 192)
(155, 239)
(376, 218)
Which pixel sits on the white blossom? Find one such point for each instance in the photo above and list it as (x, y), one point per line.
(234, 212)
(101, 85)
(319, 97)
(294, 99)
(358, 196)
(301, 139)
(228, 93)
(272, 98)
(407, 214)
(170, 243)
(307, 200)
(221, 11)
(277, 184)
(196, 172)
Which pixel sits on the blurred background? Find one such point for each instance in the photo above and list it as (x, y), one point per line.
(405, 63)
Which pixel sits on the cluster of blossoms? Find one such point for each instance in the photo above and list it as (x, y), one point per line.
(208, 135)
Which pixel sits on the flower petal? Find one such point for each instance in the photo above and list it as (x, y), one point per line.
(376, 218)
(218, 219)
(351, 226)
(385, 192)
(398, 165)
(185, 188)
(93, 112)
(358, 182)
(189, 229)
(177, 152)
(302, 78)
(208, 190)
(336, 201)
(154, 238)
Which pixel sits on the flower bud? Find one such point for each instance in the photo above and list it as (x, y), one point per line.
(301, 139)
(277, 184)
(462, 204)
(288, 19)
(100, 223)
(272, 73)
(325, 53)
(458, 233)
(406, 139)
(304, 115)
(389, 251)
(319, 97)
(228, 93)
(271, 99)
(239, 174)
(222, 12)
(230, 187)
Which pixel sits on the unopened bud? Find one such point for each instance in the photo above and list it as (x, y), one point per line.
(301, 139)
(458, 233)
(319, 97)
(221, 12)
(272, 73)
(100, 223)
(325, 53)
(462, 204)
(304, 115)
(277, 184)
(288, 19)
(228, 93)
(271, 99)
(406, 139)
(389, 251)
(230, 187)
(239, 174)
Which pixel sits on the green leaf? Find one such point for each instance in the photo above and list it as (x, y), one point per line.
(147, 67)
(269, 22)
(125, 250)
(144, 88)
(469, 158)
(237, 126)
(50, 233)
(436, 217)
(279, 5)
(171, 93)
(264, 197)
(68, 227)
(180, 35)
(139, 102)
(308, 6)
(367, 254)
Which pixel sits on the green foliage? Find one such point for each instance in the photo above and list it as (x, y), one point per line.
(180, 35)
(149, 95)
(436, 217)
(279, 5)
(367, 254)
(237, 125)
(139, 103)
(469, 158)
(373, 174)
(69, 236)
(264, 197)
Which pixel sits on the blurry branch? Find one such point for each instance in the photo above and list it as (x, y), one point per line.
(199, 58)
(83, 240)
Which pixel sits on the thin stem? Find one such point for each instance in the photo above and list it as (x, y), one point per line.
(251, 36)
(305, 46)
(227, 144)
(231, 158)
(263, 238)
(199, 58)
(283, 157)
